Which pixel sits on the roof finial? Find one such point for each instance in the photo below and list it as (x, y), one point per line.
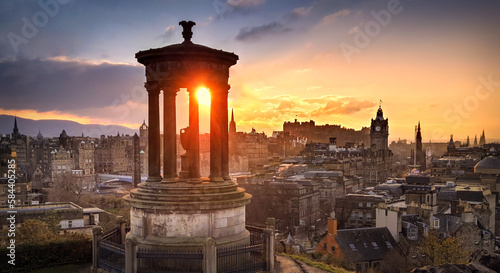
(380, 104)
(187, 33)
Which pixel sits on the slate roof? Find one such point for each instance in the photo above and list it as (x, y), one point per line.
(471, 196)
(365, 244)
(449, 223)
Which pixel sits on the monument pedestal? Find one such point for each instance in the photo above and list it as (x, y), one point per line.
(183, 214)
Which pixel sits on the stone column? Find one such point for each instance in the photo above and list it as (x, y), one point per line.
(194, 135)
(131, 255)
(269, 249)
(209, 256)
(225, 132)
(169, 134)
(121, 224)
(154, 130)
(96, 237)
(216, 121)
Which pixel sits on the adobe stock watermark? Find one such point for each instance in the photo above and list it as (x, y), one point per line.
(364, 36)
(30, 27)
(460, 111)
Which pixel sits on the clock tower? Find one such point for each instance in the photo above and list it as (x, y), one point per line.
(379, 132)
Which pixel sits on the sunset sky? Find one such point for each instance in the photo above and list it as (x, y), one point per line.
(436, 62)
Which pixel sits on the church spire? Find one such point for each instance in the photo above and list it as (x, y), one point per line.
(482, 140)
(232, 124)
(15, 132)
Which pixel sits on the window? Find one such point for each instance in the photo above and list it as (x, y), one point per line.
(353, 247)
(333, 249)
(360, 204)
(70, 224)
(369, 205)
(368, 216)
(324, 246)
(413, 233)
(375, 246)
(435, 222)
(389, 245)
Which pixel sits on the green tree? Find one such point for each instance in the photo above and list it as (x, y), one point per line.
(34, 232)
(53, 221)
(441, 250)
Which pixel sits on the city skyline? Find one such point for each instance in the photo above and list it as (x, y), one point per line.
(329, 61)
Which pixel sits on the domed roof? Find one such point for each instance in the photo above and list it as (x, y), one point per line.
(185, 51)
(489, 165)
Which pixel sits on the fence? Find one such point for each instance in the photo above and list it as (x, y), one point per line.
(112, 253)
(169, 260)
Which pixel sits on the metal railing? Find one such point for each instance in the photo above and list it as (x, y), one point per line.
(250, 257)
(169, 260)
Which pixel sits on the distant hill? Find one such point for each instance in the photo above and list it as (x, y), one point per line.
(52, 128)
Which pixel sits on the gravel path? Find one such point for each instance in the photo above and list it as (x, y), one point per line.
(286, 264)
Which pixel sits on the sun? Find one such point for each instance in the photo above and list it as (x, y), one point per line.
(203, 96)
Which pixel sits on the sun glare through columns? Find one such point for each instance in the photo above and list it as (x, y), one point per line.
(203, 96)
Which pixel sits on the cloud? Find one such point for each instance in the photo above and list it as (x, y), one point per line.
(286, 105)
(329, 19)
(255, 33)
(353, 30)
(346, 106)
(245, 3)
(67, 85)
(299, 13)
(169, 32)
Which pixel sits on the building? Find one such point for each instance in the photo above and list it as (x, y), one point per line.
(21, 192)
(362, 248)
(70, 215)
(357, 210)
(253, 145)
(111, 156)
(379, 132)
(482, 140)
(420, 157)
(321, 133)
(295, 204)
(62, 162)
(378, 160)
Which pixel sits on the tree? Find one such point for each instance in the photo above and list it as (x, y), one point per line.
(53, 221)
(34, 232)
(439, 250)
(67, 187)
(394, 262)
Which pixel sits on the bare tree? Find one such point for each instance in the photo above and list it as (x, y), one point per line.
(67, 187)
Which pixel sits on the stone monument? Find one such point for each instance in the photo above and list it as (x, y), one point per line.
(185, 210)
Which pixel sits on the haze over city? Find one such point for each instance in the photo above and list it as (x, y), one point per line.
(329, 61)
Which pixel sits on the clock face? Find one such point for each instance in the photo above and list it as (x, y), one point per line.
(377, 128)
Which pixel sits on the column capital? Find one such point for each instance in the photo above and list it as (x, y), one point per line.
(169, 87)
(152, 86)
(219, 87)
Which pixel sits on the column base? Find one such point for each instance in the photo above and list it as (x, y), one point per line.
(194, 180)
(169, 180)
(216, 179)
(153, 179)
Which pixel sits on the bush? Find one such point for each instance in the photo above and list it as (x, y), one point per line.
(37, 247)
(67, 251)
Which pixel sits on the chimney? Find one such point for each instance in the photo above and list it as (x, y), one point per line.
(467, 215)
(332, 224)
